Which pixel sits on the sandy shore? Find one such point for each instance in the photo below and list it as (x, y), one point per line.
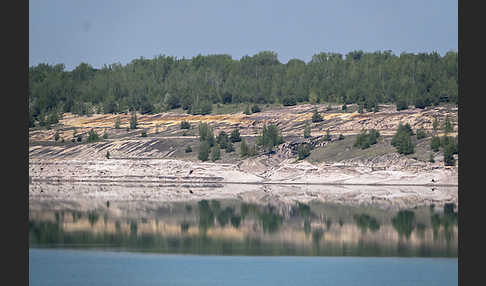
(177, 180)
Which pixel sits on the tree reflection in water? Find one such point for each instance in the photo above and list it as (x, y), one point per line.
(250, 229)
(365, 222)
(404, 223)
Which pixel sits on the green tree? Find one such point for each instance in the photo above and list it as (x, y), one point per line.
(316, 117)
(435, 144)
(235, 135)
(206, 134)
(222, 140)
(196, 84)
(448, 125)
(303, 151)
(435, 124)
(204, 149)
(402, 139)
(270, 137)
(133, 120)
(56, 136)
(307, 130)
(92, 136)
(243, 148)
(117, 122)
(360, 108)
(421, 133)
(215, 153)
(449, 155)
(185, 125)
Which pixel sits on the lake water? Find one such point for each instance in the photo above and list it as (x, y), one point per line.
(232, 227)
(72, 267)
(221, 242)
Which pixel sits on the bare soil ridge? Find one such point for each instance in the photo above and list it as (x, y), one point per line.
(160, 160)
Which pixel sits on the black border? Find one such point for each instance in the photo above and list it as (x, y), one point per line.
(470, 118)
(15, 207)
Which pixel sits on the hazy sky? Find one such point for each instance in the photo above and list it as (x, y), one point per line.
(116, 31)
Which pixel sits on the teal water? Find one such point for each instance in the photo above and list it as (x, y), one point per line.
(87, 267)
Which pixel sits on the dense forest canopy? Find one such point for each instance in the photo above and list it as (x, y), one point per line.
(164, 82)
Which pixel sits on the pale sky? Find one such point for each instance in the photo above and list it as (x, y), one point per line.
(118, 31)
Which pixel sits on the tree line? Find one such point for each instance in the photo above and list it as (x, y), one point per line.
(165, 82)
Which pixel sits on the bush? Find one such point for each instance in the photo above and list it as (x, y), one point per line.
(303, 151)
(289, 101)
(201, 108)
(215, 153)
(235, 136)
(431, 158)
(344, 107)
(247, 110)
(79, 138)
(52, 118)
(185, 125)
(365, 140)
(144, 134)
(92, 136)
(313, 98)
(420, 103)
(402, 104)
(105, 135)
(107, 155)
(56, 136)
(316, 117)
(341, 137)
(204, 148)
(255, 108)
(328, 136)
(229, 147)
(360, 108)
(188, 149)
